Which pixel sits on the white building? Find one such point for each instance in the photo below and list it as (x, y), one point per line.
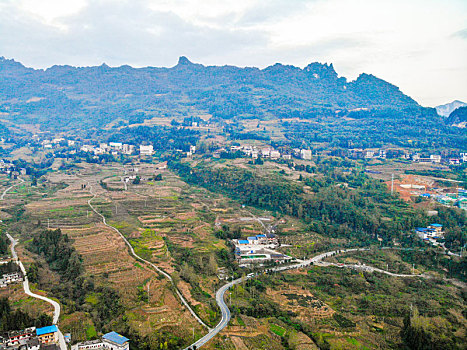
(109, 341)
(146, 150)
(435, 158)
(274, 154)
(305, 154)
(117, 146)
(115, 341)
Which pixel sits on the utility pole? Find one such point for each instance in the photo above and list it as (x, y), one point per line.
(149, 299)
(48, 223)
(392, 183)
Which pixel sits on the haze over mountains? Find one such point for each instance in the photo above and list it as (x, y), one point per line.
(446, 109)
(94, 96)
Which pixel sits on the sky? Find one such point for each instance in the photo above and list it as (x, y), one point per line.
(418, 45)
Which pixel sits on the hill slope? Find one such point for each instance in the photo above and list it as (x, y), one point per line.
(93, 96)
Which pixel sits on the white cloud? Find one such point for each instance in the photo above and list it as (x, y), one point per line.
(418, 45)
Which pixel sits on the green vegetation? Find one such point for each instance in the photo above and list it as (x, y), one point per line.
(16, 320)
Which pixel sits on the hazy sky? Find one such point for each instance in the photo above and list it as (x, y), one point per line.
(419, 45)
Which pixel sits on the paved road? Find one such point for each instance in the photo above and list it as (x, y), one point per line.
(132, 251)
(221, 292)
(34, 295)
(2, 197)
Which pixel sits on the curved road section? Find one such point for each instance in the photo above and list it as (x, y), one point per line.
(221, 292)
(132, 251)
(26, 282)
(37, 296)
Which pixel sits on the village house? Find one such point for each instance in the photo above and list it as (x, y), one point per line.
(15, 338)
(109, 341)
(9, 278)
(146, 150)
(47, 334)
(305, 154)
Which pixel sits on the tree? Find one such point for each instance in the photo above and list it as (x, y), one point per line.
(137, 180)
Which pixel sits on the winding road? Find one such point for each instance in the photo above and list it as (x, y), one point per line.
(2, 197)
(26, 288)
(34, 295)
(133, 253)
(221, 292)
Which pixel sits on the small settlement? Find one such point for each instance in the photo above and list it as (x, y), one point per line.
(431, 234)
(46, 338)
(31, 339)
(258, 249)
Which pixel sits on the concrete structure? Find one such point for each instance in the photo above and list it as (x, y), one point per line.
(16, 338)
(117, 146)
(435, 158)
(115, 341)
(47, 334)
(146, 150)
(91, 344)
(9, 278)
(305, 154)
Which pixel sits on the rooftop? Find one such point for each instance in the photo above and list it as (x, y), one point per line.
(115, 337)
(437, 225)
(243, 241)
(46, 330)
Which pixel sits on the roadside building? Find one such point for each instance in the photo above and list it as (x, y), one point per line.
(47, 334)
(115, 341)
(96, 344)
(16, 338)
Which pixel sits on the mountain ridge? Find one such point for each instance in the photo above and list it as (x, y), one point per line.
(100, 93)
(446, 109)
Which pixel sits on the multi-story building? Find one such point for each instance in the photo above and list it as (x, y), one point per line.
(146, 150)
(115, 341)
(47, 334)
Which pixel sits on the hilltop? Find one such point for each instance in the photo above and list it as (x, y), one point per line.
(446, 109)
(60, 96)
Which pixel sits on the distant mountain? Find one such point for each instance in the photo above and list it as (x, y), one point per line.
(446, 109)
(458, 117)
(66, 96)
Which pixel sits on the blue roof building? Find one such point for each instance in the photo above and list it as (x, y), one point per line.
(261, 236)
(116, 341)
(243, 241)
(254, 238)
(46, 330)
(436, 225)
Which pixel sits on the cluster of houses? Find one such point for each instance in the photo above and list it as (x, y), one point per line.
(458, 199)
(9, 278)
(114, 148)
(436, 159)
(258, 249)
(431, 234)
(32, 338)
(266, 152)
(47, 338)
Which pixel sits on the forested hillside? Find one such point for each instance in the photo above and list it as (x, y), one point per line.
(94, 96)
